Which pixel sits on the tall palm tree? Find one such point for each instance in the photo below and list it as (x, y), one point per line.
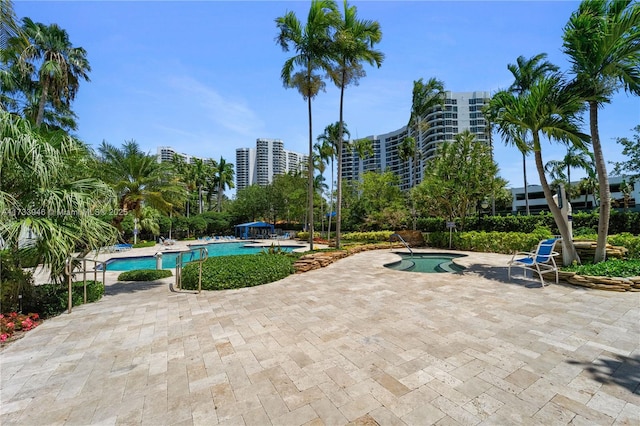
(312, 43)
(548, 109)
(425, 97)
(525, 73)
(57, 65)
(353, 44)
(602, 40)
(330, 141)
(224, 177)
(407, 151)
(138, 179)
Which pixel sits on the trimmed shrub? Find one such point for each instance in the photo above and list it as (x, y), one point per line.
(52, 299)
(489, 242)
(368, 237)
(145, 275)
(144, 244)
(228, 272)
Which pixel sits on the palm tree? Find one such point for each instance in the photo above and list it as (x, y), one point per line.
(9, 27)
(353, 44)
(548, 108)
(224, 177)
(602, 40)
(525, 73)
(407, 151)
(45, 191)
(312, 45)
(138, 179)
(425, 97)
(330, 142)
(55, 63)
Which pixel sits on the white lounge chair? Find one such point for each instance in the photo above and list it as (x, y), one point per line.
(541, 261)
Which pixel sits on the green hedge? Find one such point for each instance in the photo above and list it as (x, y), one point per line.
(52, 299)
(585, 222)
(368, 237)
(144, 244)
(227, 272)
(145, 275)
(488, 242)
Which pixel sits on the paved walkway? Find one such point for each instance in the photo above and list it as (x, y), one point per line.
(353, 343)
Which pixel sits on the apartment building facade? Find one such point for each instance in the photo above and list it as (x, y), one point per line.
(269, 158)
(166, 154)
(461, 111)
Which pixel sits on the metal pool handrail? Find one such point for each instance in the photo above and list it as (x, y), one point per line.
(402, 241)
(204, 254)
(68, 269)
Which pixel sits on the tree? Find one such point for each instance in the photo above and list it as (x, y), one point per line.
(425, 97)
(329, 149)
(224, 178)
(602, 41)
(548, 109)
(406, 151)
(575, 157)
(354, 40)
(457, 178)
(312, 43)
(53, 64)
(380, 204)
(137, 179)
(525, 73)
(45, 195)
(631, 150)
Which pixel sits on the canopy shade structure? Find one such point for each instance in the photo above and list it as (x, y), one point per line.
(244, 230)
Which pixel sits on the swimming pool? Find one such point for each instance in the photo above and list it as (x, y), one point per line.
(427, 263)
(169, 257)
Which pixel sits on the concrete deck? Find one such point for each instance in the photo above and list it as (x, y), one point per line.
(353, 343)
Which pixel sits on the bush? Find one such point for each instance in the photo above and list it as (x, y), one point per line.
(610, 268)
(52, 299)
(303, 235)
(14, 282)
(227, 272)
(628, 241)
(368, 237)
(145, 275)
(489, 242)
(144, 244)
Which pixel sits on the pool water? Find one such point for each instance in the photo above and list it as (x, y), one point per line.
(427, 263)
(169, 257)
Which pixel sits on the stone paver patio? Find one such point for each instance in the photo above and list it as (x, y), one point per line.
(351, 343)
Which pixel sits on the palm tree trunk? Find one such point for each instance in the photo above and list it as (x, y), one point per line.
(310, 214)
(569, 253)
(339, 156)
(330, 202)
(219, 195)
(526, 186)
(41, 103)
(603, 185)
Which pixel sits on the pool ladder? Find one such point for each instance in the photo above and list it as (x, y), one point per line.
(204, 254)
(402, 241)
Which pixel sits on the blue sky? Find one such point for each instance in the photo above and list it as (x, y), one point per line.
(204, 76)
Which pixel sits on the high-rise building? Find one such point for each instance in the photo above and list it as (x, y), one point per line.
(268, 159)
(462, 111)
(166, 154)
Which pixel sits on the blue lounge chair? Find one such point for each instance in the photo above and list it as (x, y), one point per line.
(542, 260)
